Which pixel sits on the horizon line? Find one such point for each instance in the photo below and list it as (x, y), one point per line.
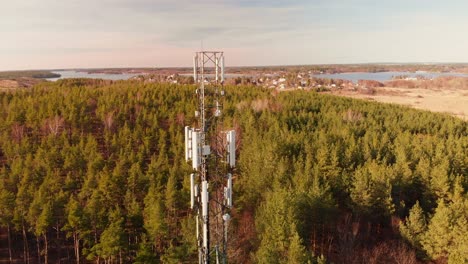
(245, 66)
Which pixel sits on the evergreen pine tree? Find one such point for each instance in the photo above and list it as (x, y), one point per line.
(414, 226)
(438, 238)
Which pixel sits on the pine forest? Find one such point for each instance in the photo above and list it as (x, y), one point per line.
(93, 171)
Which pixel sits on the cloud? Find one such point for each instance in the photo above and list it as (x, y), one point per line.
(98, 33)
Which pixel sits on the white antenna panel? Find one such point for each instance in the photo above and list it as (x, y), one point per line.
(229, 190)
(195, 67)
(196, 157)
(205, 216)
(231, 148)
(188, 143)
(204, 198)
(192, 190)
(198, 229)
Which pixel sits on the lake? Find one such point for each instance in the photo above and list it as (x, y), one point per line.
(384, 76)
(80, 74)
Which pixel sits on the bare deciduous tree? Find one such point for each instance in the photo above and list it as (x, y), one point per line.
(109, 120)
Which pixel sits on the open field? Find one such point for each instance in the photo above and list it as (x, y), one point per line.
(23, 82)
(451, 101)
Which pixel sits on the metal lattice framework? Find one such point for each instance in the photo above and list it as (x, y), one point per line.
(212, 152)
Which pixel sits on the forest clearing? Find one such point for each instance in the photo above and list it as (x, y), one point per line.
(446, 100)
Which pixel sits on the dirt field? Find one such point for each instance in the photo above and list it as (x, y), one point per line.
(451, 101)
(11, 84)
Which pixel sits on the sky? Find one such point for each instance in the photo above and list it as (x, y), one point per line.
(57, 34)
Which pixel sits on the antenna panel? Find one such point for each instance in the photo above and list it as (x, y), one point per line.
(192, 190)
(188, 143)
(196, 157)
(231, 148)
(195, 67)
(204, 198)
(229, 190)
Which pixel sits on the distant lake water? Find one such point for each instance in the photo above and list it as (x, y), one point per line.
(384, 76)
(105, 76)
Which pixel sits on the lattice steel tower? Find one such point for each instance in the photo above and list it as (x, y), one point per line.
(212, 151)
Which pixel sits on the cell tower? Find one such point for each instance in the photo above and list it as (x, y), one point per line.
(212, 151)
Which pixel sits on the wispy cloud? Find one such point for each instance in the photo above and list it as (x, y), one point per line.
(41, 33)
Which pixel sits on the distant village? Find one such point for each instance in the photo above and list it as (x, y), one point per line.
(275, 80)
